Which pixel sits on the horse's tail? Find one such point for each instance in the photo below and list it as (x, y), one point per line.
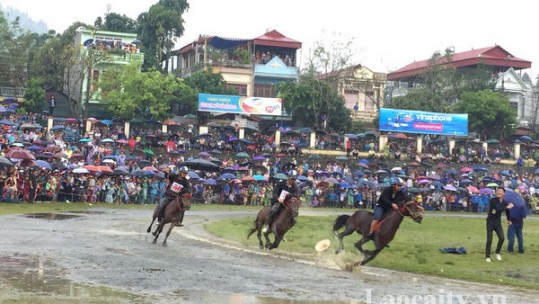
(253, 229)
(340, 222)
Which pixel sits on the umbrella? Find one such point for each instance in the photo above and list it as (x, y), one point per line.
(5, 162)
(216, 152)
(20, 154)
(6, 122)
(120, 171)
(322, 184)
(344, 185)
(35, 148)
(331, 180)
(280, 176)
(486, 191)
(525, 138)
(191, 174)
(259, 158)
(342, 157)
(423, 181)
(105, 169)
(81, 171)
(57, 127)
(480, 168)
(106, 122)
(466, 182)
(200, 164)
(43, 164)
(107, 140)
(248, 178)
(148, 151)
(91, 168)
(450, 188)
(493, 141)
(519, 210)
(85, 140)
(381, 172)
(259, 177)
(396, 169)
(150, 168)
(210, 182)
(492, 185)
(242, 155)
(139, 173)
(466, 169)
(414, 164)
(472, 189)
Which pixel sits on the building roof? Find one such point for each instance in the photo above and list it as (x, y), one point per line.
(271, 38)
(492, 56)
(276, 39)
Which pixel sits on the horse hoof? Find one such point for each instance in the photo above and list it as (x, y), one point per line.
(148, 231)
(154, 233)
(153, 242)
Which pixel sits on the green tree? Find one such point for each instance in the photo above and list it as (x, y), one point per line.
(34, 96)
(489, 112)
(133, 94)
(310, 99)
(119, 23)
(158, 29)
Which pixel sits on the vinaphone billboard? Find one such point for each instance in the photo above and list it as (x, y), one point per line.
(407, 121)
(240, 104)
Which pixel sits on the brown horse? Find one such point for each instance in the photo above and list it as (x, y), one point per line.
(173, 214)
(281, 224)
(360, 222)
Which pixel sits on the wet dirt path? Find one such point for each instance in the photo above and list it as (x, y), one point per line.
(106, 256)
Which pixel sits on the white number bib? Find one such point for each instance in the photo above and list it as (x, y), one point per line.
(176, 188)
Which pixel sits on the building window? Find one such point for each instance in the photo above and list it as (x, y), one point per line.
(264, 90)
(241, 89)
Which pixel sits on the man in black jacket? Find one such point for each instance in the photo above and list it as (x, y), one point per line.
(497, 205)
(390, 198)
(178, 185)
(277, 200)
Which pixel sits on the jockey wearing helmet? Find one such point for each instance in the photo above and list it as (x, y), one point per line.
(277, 201)
(390, 198)
(178, 185)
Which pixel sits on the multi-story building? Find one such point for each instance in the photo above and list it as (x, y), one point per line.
(502, 65)
(361, 88)
(99, 51)
(250, 66)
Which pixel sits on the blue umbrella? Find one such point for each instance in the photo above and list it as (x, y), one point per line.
(192, 174)
(344, 185)
(57, 127)
(525, 138)
(227, 176)
(43, 164)
(106, 121)
(302, 178)
(6, 122)
(258, 177)
(363, 161)
(210, 182)
(519, 210)
(85, 140)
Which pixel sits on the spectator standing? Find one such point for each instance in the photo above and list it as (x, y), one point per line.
(52, 105)
(515, 225)
(494, 224)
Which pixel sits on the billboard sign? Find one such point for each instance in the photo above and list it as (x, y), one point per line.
(240, 104)
(407, 121)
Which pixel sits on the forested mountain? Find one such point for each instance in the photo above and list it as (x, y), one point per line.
(26, 22)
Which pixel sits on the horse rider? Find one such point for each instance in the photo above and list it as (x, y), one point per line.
(390, 198)
(178, 186)
(277, 199)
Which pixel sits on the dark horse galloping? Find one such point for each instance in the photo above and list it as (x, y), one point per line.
(360, 222)
(173, 214)
(281, 224)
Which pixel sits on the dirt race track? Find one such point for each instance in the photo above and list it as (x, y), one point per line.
(106, 256)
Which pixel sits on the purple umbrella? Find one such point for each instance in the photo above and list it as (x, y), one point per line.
(486, 191)
(519, 210)
(204, 154)
(423, 181)
(259, 158)
(450, 188)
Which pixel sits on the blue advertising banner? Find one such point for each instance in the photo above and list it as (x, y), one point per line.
(240, 104)
(396, 120)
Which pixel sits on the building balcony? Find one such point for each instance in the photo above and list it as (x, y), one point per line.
(118, 57)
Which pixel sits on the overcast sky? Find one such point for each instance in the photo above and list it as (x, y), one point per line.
(387, 34)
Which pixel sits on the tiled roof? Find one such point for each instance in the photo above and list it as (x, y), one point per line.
(493, 56)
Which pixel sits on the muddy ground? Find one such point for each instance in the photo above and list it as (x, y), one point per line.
(106, 256)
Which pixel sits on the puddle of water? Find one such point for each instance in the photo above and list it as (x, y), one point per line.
(87, 212)
(51, 216)
(25, 279)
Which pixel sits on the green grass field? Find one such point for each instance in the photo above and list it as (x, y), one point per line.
(415, 247)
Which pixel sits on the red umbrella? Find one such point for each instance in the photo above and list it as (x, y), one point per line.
(20, 154)
(92, 168)
(105, 169)
(466, 169)
(150, 168)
